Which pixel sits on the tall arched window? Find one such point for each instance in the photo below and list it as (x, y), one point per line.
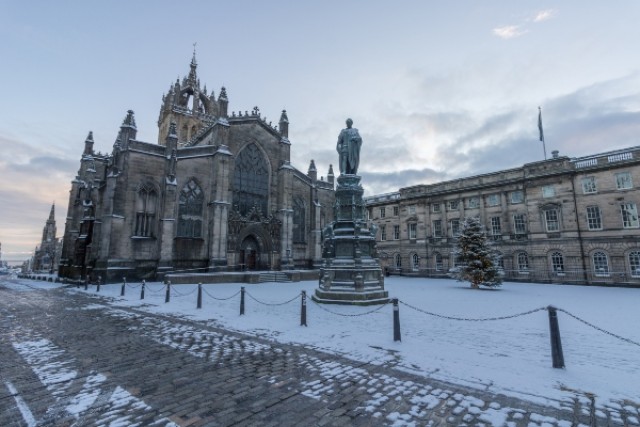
(299, 217)
(398, 262)
(557, 262)
(634, 263)
(251, 181)
(523, 262)
(600, 264)
(190, 207)
(415, 262)
(146, 203)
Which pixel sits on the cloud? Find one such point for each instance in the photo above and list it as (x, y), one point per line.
(509, 31)
(33, 179)
(512, 31)
(544, 15)
(387, 182)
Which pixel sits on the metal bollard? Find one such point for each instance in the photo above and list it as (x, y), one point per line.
(241, 300)
(98, 286)
(303, 309)
(124, 282)
(86, 284)
(199, 296)
(167, 296)
(556, 342)
(142, 290)
(396, 320)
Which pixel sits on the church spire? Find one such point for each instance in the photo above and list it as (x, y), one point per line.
(52, 214)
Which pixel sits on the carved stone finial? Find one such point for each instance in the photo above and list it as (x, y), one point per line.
(223, 93)
(129, 120)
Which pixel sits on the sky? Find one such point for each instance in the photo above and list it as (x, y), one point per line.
(438, 90)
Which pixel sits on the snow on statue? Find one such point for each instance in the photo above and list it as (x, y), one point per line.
(477, 263)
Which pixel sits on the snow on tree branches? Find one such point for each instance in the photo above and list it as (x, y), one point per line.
(476, 262)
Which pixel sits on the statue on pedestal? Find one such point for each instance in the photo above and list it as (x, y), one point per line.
(348, 147)
(351, 272)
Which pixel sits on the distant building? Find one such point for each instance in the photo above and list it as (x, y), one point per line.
(47, 255)
(216, 193)
(559, 220)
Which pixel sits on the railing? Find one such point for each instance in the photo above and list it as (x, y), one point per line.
(586, 163)
(620, 157)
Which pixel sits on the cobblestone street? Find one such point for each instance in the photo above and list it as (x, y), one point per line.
(70, 359)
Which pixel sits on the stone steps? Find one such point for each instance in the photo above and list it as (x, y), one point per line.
(275, 276)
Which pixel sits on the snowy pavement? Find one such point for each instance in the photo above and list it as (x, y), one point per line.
(444, 372)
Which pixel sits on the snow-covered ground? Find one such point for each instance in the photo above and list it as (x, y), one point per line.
(510, 356)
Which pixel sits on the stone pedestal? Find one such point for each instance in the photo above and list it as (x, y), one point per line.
(351, 272)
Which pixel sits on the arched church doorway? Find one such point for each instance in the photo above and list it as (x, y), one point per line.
(250, 252)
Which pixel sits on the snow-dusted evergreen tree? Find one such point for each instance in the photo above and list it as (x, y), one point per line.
(477, 262)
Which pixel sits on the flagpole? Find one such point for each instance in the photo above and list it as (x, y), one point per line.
(544, 148)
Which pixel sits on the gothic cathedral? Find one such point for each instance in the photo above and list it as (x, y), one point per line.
(216, 193)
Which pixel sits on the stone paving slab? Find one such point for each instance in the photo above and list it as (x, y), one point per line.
(69, 359)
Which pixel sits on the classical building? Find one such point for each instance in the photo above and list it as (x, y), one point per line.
(216, 193)
(559, 220)
(47, 255)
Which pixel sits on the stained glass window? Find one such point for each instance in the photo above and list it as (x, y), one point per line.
(251, 181)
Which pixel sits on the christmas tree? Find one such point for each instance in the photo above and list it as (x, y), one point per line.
(476, 261)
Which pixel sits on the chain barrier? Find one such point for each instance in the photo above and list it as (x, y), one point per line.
(133, 286)
(147, 288)
(627, 340)
(220, 299)
(351, 315)
(473, 319)
(178, 294)
(271, 304)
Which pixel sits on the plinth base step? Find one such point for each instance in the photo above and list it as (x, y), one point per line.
(351, 298)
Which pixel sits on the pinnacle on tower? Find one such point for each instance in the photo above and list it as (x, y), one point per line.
(223, 102)
(284, 124)
(171, 141)
(129, 121)
(312, 172)
(128, 129)
(88, 144)
(330, 175)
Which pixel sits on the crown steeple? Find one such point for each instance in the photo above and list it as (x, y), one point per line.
(194, 64)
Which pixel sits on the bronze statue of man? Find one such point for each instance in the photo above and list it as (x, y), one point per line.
(349, 143)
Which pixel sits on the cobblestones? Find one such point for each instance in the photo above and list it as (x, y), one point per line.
(68, 358)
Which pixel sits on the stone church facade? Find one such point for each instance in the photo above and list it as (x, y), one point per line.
(217, 192)
(561, 220)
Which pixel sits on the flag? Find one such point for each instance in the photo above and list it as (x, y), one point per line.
(540, 124)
